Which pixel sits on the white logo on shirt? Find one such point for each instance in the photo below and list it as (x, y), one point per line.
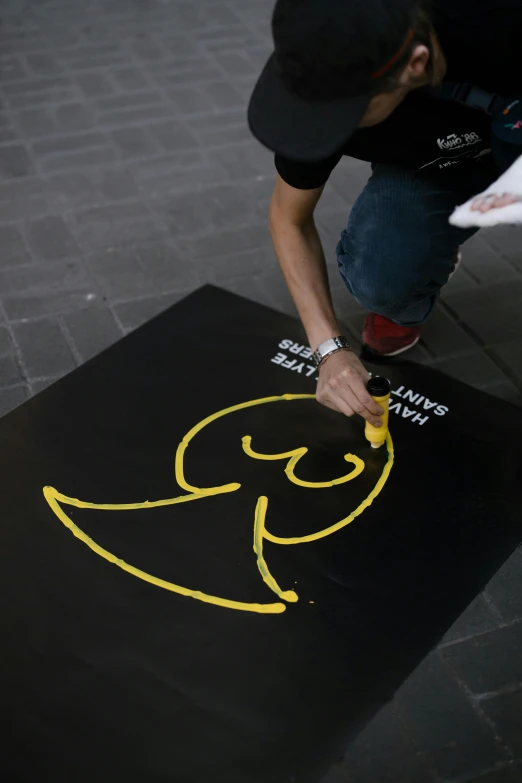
(454, 142)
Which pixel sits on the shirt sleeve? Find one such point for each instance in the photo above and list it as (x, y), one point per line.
(305, 176)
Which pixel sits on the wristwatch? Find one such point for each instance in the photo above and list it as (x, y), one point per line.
(330, 346)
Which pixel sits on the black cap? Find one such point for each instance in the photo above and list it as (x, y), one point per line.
(329, 56)
(378, 386)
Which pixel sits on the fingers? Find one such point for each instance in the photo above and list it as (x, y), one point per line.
(363, 404)
(347, 393)
(492, 201)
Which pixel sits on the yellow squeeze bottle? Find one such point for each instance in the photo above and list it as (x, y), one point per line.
(379, 388)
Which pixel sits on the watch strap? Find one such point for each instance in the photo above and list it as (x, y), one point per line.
(328, 347)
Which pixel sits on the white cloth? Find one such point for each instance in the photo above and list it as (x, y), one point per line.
(509, 182)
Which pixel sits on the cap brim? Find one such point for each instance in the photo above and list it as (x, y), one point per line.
(299, 129)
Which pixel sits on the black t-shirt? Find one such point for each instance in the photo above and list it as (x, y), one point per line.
(481, 40)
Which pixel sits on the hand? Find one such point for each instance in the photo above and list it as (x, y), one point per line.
(342, 387)
(493, 201)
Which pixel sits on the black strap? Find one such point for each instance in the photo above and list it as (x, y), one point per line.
(472, 96)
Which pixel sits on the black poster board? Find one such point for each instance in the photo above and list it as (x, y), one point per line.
(248, 630)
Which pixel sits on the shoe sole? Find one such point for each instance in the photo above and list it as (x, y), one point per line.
(393, 353)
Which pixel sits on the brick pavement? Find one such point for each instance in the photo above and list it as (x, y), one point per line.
(128, 178)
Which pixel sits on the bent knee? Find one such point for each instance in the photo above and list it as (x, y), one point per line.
(381, 283)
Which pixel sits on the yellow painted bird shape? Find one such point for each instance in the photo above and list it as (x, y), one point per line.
(64, 508)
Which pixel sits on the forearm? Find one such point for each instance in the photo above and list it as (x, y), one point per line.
(300, 254)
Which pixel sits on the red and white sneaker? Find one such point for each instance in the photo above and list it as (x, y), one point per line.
(386, 338)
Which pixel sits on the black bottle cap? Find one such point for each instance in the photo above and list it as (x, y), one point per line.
(379, 386)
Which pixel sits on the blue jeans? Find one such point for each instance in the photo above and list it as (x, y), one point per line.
(398, 249)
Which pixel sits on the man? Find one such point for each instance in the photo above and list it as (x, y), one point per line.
(362, 78)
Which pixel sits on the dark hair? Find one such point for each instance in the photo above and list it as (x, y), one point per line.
(330, 50)
(422, 27)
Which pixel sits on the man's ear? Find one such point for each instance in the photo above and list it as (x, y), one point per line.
(417, 65)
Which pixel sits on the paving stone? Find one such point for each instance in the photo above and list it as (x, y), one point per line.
(6, 343)
(34, 290)
(69, 190)
(383, 753)
(176, 45)
(120, 274)
(236, 62)
(134, 142)
(148, 50)
(115, 184)
(441, 721)
(223, 119)
(222, 95)
(485, 264)
(215, 136)
(163, 265)
(77, 141)
(137, 312)
(15, 161)
(442, 336)
(10, 374)
(249, 286)
(173, 136)
(44, 348)
(80, 160)
(492, 324)
(92, 331)
(122, 102)
(74, 117)
(11, 68)
(95, 85)
(137, 115)
(274, 286)
(86, 60)
(506, 713)
(200, 212)
(28, 196)
(53, 96)
(507, 241)
(476, 369)
(172, 173)
(233, 241)
(461, 283)
(37, 89)
(35, 122)
(42, 383)
(220, 15)
(505, 588)
(13, 249)
(189, 101)
(129, 78)
(196, 72)
(219, 269)
(12, 398)
(50, 238)
(488, 662)
(246, 160)
(43, 63)
(8, 134)
(478, 618)
(118, 224)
